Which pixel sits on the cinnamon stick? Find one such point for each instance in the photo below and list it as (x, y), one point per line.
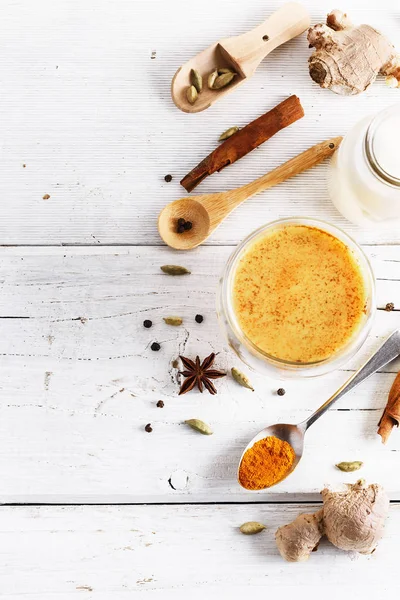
(391, 414)
(245, 140)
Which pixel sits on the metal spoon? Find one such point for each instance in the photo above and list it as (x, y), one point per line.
(294, 434)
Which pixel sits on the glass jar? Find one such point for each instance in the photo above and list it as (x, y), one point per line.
(259, 360)
(364, 174)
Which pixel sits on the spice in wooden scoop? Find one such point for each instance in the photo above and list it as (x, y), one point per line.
(266, 463)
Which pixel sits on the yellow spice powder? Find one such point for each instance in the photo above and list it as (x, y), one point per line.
(299, 294)
(266, 463)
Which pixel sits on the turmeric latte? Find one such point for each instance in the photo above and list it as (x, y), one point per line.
(298, 294)
(267, 462)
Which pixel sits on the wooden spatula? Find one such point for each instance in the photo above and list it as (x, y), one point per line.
(242, 54)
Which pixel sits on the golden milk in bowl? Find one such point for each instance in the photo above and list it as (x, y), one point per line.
(298, 296)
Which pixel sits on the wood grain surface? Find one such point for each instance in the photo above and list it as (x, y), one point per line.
(88, 131)
(80, 382)
(86, 106)
(178, 552)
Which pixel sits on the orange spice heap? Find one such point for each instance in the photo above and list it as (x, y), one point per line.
(266, 463)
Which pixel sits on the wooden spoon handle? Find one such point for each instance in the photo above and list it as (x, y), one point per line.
(307, 159)
(248, 50)
(220, 205)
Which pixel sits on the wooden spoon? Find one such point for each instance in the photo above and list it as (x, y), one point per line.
(207, 211)
(242, 54)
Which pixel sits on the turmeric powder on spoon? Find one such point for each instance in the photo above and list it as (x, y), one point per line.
(266, 463)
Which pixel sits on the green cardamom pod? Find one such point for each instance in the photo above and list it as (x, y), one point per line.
(196, 80)
(199, 426)
(228, 133)
(222, 70)
(251, 527)
(223, 80)
(241, 379)
(348, 467)
(175, 270)
(191, 94)
(211, 79)
(175, 321)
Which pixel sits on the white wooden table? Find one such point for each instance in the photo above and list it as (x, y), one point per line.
(92, 504)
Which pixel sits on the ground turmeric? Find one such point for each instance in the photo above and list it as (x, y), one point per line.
(265, 463)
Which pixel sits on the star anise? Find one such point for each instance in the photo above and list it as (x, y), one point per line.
(199, 374)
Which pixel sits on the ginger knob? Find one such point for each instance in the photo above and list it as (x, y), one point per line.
(297, 540)
(347, 59)
(352, 519)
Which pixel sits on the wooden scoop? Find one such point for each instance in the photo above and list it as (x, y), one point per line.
(242, 54)
(207, 211)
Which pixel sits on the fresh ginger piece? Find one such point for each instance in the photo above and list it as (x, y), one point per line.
(347, 59)
(297, 540)
(354, 519)
(351, 520)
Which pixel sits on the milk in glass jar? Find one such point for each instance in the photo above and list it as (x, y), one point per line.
(364, 174)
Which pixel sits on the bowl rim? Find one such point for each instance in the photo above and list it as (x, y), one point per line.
(356, 340)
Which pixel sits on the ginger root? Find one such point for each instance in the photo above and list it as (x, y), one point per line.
(347, 59)
(297, 540)
(351, 520)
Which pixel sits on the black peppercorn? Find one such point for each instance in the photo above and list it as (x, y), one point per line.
(148, 428)
(188, 225)
(160, 404)
(147, 323)
(199, 318)
(181, 222)
(180, 229)
(281, 392)
(168, 178)
(389, 307)
(155, 346)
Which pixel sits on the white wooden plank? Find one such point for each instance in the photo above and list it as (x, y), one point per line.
(79, 383)
(178, 552)
(95, 281)
(89, 113)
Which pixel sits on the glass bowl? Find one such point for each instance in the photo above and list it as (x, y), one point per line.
(258, 359)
